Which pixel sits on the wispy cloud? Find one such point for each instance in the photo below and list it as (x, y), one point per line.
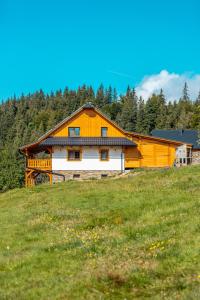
(171, 83)
(120, 74)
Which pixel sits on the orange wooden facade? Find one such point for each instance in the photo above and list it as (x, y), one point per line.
(90, 123)
(149, 152)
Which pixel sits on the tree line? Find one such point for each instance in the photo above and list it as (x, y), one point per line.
(24, 119)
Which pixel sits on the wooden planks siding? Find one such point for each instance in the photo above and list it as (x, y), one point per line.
(90, 123)
(150, 153)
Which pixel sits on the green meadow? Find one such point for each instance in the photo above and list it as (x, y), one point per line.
(135, 237)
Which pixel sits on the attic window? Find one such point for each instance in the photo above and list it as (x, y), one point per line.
(104, 131)
(74, 131)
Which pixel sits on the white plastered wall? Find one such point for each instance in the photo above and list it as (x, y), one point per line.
(90, 159)
(181, 151)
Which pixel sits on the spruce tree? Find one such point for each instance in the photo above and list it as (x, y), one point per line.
(115, 96)
(108, 96)
(197, 102)
(128, 116)
(82, 95)
(152, 112)
(141, 125)
(161, 114)
(91, 94)
(99, 101)
(195, 122)
(185, 96)
(185, 103)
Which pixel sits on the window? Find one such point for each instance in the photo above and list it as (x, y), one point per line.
(74, 131)
(76, 176)
(74, 155)
(104, 131)
(104, 155)
(104, 175)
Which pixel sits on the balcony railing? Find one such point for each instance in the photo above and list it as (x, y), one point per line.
(43, 164)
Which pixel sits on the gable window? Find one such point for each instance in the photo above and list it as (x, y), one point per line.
(74, 131)
(104, 154)
(74, 155)
(104, 131)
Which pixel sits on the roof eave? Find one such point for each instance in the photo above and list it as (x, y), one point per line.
(158, 139)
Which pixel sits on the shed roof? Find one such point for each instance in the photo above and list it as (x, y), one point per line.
(186, 136)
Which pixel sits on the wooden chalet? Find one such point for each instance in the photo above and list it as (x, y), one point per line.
(88, 144)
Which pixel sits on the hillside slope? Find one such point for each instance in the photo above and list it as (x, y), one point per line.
(127, 238)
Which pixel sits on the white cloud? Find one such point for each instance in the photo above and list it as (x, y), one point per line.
(171, 83)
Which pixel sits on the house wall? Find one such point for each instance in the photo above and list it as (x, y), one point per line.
(83, 175)
(181, 152)
(195, 157)
(90, 123)
(90, 159)
(181, 155)
(150, 153)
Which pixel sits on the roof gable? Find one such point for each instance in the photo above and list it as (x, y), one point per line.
(90, 122)
(87, 112)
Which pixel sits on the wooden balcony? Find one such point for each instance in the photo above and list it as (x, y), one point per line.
(41, 164)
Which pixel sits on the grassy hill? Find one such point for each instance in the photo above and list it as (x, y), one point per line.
(134, 237)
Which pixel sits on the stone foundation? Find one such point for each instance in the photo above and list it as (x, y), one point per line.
(80, 175)
(195, 157)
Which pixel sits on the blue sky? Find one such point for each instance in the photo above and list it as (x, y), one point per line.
(56, 43)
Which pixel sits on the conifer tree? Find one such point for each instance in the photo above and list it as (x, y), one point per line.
(128, 116)
(82, 95)
(152, 111)
(185, 103)
(171, 115)
(185, 96)
(99, 101)
(11, 169)
(91, 94)
(185, 120)
(141, 124)
(115, 97)
(108, 96)
(197, 102)
(195, 122)
(161, 114)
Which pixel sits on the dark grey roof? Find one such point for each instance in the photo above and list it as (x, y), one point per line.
(186, 136)
(87, 141)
